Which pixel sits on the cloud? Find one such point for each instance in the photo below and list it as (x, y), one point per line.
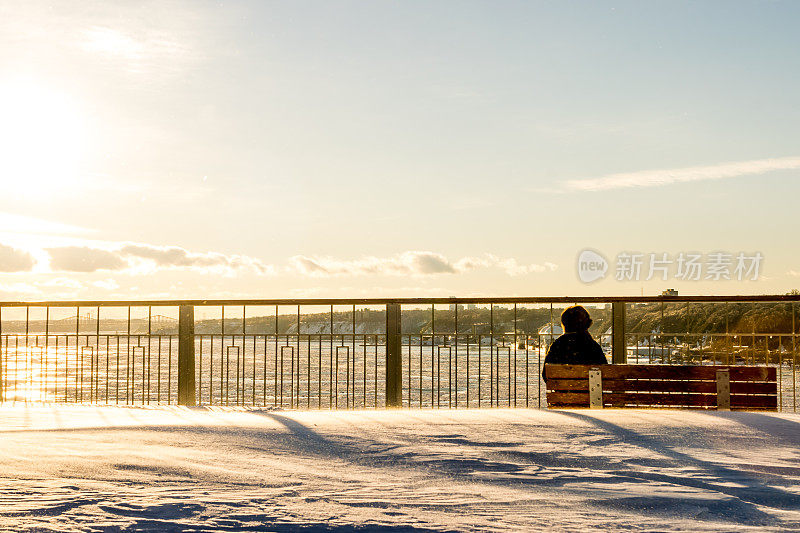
(61, 283)
(15, 260)
(84, 259)
(657, 178)
(176, 257)
(21, 288)
(409, 263)
(406, 263)
(509, 265)
(142, 258)
(81, 256)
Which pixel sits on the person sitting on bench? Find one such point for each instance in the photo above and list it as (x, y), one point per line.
(576, 346)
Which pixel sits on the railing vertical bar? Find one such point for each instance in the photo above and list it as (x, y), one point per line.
(169, 370)
(46, 351)
(3, 363)
(419, 389)
(16, 368)
(253, 397)
(280, 389)
(145, 369)
(516, 346)
(108, 370)
(275, 367)
(438, 375)
(292, 381)
(264, 387)
(394, 356)
(449, 377)
(466, 380)
(223, 359)
(158, 369)
(509, 367)
(149, 346)
(433, 349)
(116, 368)
(223, 375)
(527, 370)
(780, 373)
(455, 330)
(491, 356)
(364, 368)
(55, 371)
(27, 355)
(128, 359)
(78, 356)
(794, 357)
(539, 370)
(199, 371)
(349, 382)
(408, 380)
(480, 370)
(211, 369)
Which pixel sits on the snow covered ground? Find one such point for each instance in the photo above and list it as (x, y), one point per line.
(98, 468)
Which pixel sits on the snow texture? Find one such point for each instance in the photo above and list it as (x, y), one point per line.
(88, 468)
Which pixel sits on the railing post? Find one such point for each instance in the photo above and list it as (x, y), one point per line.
(186, 390)
(394, 358)
(619, 353)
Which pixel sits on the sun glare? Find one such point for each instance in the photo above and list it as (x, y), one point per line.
(42, 138)
(112, 42)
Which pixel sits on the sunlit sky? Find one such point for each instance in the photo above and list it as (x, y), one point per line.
(351, 149)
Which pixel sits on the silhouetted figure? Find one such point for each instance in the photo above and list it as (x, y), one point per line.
(576, 346)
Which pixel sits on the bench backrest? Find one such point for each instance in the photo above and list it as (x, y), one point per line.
(683, 386)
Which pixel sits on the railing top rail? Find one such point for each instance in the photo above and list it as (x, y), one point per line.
(408, 301)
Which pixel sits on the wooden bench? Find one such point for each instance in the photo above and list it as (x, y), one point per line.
(678, 386)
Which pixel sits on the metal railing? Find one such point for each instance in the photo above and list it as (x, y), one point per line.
(364, 353)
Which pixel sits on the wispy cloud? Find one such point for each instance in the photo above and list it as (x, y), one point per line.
(657, 178)
(136, 46)
(177, 257)
(84, 259)
(409, 263)
(145, 258)
(15, 260)
(83, 256)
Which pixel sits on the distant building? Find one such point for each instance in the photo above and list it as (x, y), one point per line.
(453, 306)
(669, 292)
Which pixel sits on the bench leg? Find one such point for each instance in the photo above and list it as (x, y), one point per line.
(723, 390)
(595, 389)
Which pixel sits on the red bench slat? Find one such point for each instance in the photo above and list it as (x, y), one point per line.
(644, 399)
(692, 386)
(678, 372)
(623, 385)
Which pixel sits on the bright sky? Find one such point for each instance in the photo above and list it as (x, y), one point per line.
(348, 149)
